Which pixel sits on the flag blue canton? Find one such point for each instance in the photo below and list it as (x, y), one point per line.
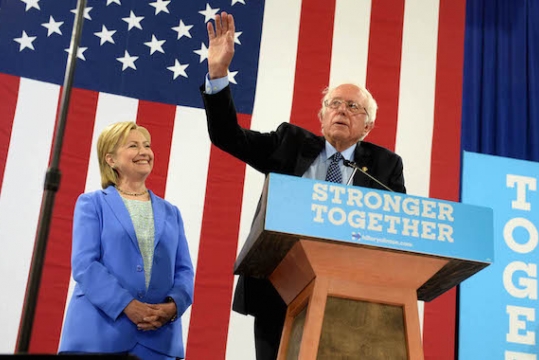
(150, 50)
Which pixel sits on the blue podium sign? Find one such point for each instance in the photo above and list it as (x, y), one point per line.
(350, 214)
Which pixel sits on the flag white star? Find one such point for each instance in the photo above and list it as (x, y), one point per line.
(105, 35)
(182, 30)
(237, 37)
(53, 27)
(155, 45)
(209, 13)
(113, 1)
(202, 52)
(160, 5)
(31, 4)
(232, 77)
(238, 1)
(178, 69)
(128, 61)
(80, 52)
(86, 12)
(133, 21)
(25, 41)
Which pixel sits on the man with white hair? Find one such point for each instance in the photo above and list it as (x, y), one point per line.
(347, 116)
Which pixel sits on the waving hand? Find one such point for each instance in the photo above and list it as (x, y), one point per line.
(221, 48)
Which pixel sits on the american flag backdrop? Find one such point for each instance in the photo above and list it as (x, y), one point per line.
(144, 61)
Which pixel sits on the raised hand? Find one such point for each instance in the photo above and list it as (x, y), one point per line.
(221, 48)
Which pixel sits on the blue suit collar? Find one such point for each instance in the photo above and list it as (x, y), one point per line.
(114, 200)
(158, 207)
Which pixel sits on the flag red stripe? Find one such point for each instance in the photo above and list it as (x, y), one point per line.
(9, 89)
(313, 62)
(383, 68)
(159, 120)
(439, 327)
(440, 314)
(210, 312)
(73, 165)
(445, 161)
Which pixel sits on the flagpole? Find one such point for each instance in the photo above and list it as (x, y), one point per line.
(51, 186)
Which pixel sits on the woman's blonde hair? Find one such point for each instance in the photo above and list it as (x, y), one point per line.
(110, 138)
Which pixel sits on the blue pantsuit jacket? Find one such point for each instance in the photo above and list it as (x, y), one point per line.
(108, 269)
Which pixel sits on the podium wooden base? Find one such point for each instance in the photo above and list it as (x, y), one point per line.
(351, 302)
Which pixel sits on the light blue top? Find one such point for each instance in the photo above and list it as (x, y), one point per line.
(214, 86)
(142, 216)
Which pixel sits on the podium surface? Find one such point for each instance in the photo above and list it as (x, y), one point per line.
(332, 249)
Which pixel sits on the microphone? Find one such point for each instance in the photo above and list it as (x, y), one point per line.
(356, 168)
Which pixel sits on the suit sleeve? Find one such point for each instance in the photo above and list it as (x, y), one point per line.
(396, 179)
(252, 147)
(182, 291)
(99, 286)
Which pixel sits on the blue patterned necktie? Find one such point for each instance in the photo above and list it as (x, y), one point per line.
(334, 171)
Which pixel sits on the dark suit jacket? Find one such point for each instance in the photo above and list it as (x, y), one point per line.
(288, 150)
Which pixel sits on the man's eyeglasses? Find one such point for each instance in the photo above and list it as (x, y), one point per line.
(353, 107)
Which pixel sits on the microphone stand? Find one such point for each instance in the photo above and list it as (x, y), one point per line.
(356, 168)
(51, 186)
(349, 182)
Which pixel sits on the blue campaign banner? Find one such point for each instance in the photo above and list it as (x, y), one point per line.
(498, 306)
(320, 209)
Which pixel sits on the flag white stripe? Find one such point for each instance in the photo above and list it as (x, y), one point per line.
(416, 98)
(187, 177)
(20, 202)
(188, 171)
(273, 105)
(416, 93)
(349, 53)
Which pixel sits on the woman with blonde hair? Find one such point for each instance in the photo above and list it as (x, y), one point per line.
(130, 259)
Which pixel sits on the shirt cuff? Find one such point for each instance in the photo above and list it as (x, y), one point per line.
(215, 85)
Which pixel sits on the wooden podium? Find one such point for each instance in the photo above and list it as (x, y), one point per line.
(352, 287)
